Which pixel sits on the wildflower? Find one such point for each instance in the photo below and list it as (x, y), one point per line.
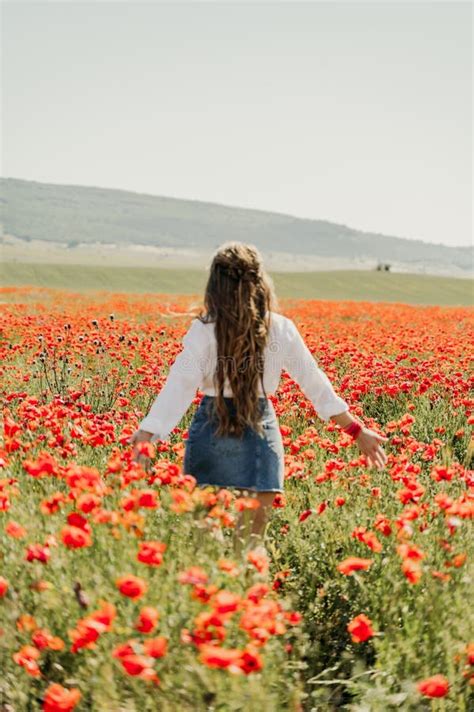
(87, 502)
(42, 638)
(139, 666)
(85, 634)
(3, 586)
(229, 567)
(279, 501)
(89, 629)
(131, 586)
(382, 525)
(250, 661)
(258, 591)
(27, 658)
(225, 602)
(216, 657)
(193, 575)
(36, 552)
(15, 530)
(410, 551)
(156, 647)
(258, 559)
(148, 498)
(146, 449)
(151, 552)
(442, 472)
(368, 538)
(411, 571)
(58, 699)
(44, 465)
(75, 538)
(52, 503)
(459, 560)
(203, 593)
(147, 620)
(360, 628)
(243, 503)
(293, 617)
(354, 563)
(435, 686)
(25, 622)
(105, 615)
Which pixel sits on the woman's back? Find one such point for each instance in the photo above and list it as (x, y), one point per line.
(275, 354)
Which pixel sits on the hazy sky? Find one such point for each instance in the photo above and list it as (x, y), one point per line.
(358, 113)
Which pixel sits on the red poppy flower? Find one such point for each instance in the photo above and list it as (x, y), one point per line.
(360, 628)
(147, 619)
(85, 634)
(243, 503)
(3, 586)
(27, 657)
(124, 649)
(105, 614)
(131, 586)
(15, 530)
(410, 551)
(42, 638)
(229, 567)
(156, 647)
(36, 552)
(139, 666)
(435, 686)
(354, 563)
(193, 575)
(146, 448)
(225, 602)
(411, 571)
(58, 699)
(151, 552)
(215, 656)
(148, 498)
(258, 559)
(250, 661)
(75, 538)
(260, 590)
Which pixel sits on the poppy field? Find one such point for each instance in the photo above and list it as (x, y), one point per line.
(119, 587)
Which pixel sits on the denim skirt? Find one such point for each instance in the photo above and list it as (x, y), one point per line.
(253, 462)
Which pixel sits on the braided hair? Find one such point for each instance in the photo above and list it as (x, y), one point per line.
(238, 299)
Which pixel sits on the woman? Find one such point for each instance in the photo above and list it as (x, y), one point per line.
(234, 353)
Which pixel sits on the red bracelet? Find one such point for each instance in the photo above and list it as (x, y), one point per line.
(353, 429)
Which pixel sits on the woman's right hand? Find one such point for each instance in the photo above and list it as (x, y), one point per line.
(368, 442)
(140, 436)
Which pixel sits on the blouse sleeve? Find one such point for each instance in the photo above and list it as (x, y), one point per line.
(179, 390)
(303, 368)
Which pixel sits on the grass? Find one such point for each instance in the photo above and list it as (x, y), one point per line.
(354, 285)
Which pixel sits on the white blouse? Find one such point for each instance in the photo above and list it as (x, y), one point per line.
(194, 366)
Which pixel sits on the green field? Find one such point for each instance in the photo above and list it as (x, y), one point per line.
(351, 284)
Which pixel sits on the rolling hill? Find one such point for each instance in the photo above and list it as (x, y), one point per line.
(77, 215)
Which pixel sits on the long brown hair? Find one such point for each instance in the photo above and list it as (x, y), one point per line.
(238, 299)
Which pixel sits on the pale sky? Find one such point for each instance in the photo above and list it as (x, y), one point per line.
(358, 112)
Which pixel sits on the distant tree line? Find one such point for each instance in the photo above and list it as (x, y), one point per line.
(383, 267)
